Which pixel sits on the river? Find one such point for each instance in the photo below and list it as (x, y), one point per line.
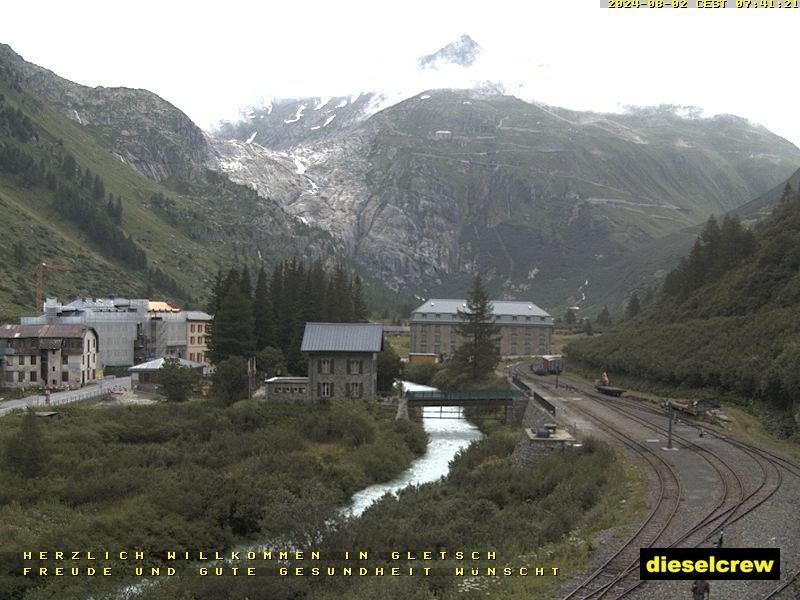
(446, 437)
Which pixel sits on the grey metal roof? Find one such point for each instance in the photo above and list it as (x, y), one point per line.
(157, 364)
(342, 337)
(197, 315)
(43, 331)
(501, 307)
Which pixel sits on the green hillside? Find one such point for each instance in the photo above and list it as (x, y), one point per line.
(727, 320)
(66, 200)
(543, 198)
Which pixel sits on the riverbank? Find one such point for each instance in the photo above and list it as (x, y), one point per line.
(184, 477)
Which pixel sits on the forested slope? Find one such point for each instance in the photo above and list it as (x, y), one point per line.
(728, 317)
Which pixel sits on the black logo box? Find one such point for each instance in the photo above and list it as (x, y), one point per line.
(715, 560)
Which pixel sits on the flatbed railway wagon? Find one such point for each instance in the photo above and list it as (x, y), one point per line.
(608, 390)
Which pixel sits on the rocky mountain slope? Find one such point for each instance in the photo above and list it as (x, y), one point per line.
(68, 196)
(141, 129)
(449, 182)
(424, 192)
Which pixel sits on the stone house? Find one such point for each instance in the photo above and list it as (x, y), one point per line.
(47, 356)
(342, 363)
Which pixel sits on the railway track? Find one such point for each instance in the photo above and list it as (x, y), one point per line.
(618, 576)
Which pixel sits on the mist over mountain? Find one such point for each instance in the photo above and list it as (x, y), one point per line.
(463, 52)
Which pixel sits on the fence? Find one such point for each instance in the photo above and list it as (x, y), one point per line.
(536, 396)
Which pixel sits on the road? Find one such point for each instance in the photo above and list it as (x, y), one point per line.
(99, 388)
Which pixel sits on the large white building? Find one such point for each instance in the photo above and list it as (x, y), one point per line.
(525, 329)
(131, 331)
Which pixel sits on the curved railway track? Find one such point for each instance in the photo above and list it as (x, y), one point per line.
(617, 577)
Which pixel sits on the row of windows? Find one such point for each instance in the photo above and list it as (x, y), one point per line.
(328, 366)
(452, 316)
(289, 389)
(31, 360)
(198, 338)
(199, 327)
(197, 356)
(353, 389)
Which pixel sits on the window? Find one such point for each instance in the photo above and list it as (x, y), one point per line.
(325, 365)
(53, 369)
(191, 328)
(33, 375)
(355, 389)
(33, 360)
(200, 340)
(64, 358)
(10, 376)
(514, 318)
(10, 361)
(355, 367)
(325, 390)
(65, 376)
(192, 340)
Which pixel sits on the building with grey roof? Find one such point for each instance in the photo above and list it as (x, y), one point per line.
(525, 329)
(342, 362)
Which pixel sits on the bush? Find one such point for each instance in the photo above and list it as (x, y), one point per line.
(176, 382)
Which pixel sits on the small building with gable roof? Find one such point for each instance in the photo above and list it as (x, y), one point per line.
(342, 363)
(342, 359)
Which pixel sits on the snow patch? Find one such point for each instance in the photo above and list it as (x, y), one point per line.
(314, 187)
(301, 168)
(322, 102)
(251, 138)
(329, 120)
(355, 97)
(315, 127)
(424, 96)
(78, 117)
(303, 220)
(342, 104)
(297, 115)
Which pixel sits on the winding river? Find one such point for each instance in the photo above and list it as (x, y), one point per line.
(446, 437)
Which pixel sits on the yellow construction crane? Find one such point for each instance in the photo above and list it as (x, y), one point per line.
(40, 280)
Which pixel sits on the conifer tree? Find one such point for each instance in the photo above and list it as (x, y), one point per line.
(360, 312)
(634, 306)
(262, 312)
(478, 355)
(604, 318)
(232, 331)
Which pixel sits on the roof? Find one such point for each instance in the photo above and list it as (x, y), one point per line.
(197, 315)
(161, 306)
(342, 337)
(43, 331)
(157, 364)
(501, 307)
(287, 380)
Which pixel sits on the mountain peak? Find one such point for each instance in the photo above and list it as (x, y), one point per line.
(462, 52)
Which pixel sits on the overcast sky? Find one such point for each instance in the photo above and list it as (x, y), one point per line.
(211, 59)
